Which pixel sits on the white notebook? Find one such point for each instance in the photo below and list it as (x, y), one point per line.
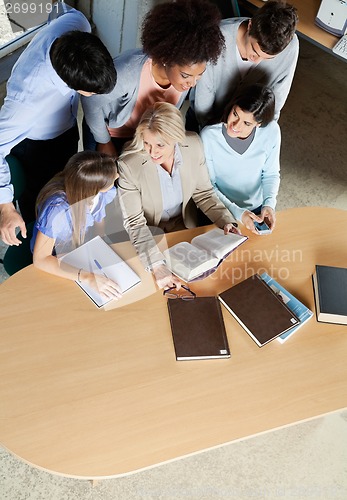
(112, 265)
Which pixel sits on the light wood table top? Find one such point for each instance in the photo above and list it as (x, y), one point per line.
(93, 394)
(307, 11)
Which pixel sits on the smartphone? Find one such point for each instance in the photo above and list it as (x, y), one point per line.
(262, 227)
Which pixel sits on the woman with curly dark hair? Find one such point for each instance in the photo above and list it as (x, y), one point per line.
(178, 38)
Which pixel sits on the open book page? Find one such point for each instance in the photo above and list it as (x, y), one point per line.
(188, 261)
(217, 243)
(112, 265)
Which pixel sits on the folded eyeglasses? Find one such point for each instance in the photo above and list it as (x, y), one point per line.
(170, 294)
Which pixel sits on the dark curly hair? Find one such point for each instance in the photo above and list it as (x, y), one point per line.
(273, 26)
(183, 32)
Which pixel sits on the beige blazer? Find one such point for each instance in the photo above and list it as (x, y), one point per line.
(141, 197)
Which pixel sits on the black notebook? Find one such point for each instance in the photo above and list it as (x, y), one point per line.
(258, 309)
(330, 292)
(198, 329)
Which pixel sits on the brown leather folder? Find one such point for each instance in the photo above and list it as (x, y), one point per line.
(258, 309)
(198, 329)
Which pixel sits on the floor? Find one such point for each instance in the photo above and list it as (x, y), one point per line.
(306, 461)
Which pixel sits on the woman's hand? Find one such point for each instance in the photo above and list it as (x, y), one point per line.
(230, 228)
(165, 278)
(268, 215)
(247, 220)
(104, 286)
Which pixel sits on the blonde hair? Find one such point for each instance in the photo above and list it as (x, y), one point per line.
(84, 176)
(161, 118)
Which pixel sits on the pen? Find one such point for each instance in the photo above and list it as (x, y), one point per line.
(99, 266)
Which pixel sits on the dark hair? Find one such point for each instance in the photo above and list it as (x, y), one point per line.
(273, 26)
(255, 99)
(83, 62)
(183, 32)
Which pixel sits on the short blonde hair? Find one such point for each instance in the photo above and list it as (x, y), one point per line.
(161, 118)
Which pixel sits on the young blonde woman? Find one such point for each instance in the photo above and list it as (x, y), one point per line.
(68, 207)
(163, 179)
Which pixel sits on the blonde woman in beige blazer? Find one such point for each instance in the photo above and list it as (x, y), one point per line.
(163, 156)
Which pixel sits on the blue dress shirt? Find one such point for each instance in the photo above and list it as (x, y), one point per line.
(38, 105)
(54, 219)
(171, 188)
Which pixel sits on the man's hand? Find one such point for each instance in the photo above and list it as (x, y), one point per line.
(107, 148)
(9, 221)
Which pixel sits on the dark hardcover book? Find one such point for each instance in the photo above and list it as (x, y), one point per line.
(258, 309)
(330, 292)
(297, 307)
(198, 329)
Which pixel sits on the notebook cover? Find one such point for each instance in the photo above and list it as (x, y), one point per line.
(198, 329)
(258, 309)
(330, 286)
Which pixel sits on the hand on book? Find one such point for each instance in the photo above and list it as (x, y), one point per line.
(100, 283)
(165, 278)
(230, 228)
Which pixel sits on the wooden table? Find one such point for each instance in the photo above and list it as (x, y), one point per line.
(94, 394)
(307, 11)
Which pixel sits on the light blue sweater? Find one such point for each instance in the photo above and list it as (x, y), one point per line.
(244, 181)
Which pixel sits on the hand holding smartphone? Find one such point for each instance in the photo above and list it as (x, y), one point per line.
(262, 227)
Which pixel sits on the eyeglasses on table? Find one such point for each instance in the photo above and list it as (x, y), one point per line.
(170, 294)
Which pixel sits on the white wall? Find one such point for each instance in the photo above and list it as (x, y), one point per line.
(118, 22)
(108, 18)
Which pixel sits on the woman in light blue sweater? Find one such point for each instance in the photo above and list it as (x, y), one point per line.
(242, 155)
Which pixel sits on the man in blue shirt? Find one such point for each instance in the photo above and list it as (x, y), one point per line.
(38, 119)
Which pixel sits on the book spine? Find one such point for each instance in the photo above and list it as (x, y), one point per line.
(221, 319)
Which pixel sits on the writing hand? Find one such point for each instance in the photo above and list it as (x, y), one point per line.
(100, 283)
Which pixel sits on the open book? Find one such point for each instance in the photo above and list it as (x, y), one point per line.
(97, 253)
(201, 257)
